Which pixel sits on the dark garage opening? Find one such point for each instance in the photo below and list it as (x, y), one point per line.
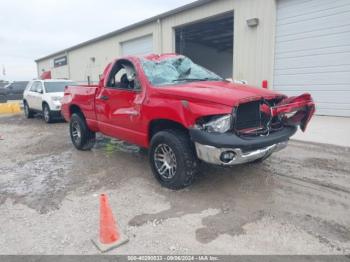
(209, 43)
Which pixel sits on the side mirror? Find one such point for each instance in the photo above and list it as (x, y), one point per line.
(40, 90)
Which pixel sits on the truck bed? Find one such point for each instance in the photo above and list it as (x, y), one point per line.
(82, 96)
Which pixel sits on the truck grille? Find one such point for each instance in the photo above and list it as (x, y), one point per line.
(252, 121)
(248, 116)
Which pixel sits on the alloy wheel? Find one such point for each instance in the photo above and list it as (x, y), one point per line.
(165, 161)
(76, 132)
(46, 114)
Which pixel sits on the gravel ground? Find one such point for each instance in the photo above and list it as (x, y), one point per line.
(297, 202)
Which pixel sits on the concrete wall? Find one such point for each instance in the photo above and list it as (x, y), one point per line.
(80, 64)
(44, 65)
(253, 47)
(58, 72)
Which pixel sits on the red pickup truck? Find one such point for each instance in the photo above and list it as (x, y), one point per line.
(184, 114)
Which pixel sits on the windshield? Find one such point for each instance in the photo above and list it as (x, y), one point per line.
(54, 87)
(176, 70)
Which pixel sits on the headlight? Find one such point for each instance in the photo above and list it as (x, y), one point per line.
(220, 124)
(56, 98)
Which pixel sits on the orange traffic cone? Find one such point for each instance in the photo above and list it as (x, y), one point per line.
(110, 237)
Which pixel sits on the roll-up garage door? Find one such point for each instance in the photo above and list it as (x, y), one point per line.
(138, 46)
(313, 52)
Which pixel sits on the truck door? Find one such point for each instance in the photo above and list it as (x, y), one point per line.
(118, 104)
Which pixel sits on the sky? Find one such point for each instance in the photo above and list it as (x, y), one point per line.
(30, 29)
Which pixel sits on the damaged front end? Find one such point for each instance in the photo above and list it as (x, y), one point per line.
(256, 129)
(265, 116)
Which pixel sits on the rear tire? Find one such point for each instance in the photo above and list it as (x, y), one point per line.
(173, 159)
(27, 112)
(82, 137)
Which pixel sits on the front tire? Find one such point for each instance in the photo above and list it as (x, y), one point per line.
(173, 159)
(47, 114)
(27, 112)
(82, 137)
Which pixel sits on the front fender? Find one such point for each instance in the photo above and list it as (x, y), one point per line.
(185, 112)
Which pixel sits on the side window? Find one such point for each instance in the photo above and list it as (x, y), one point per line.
(121, 76)
(39, 87)
(20, 86)
(33, 87)
(36, 87)
(124, 76)
(16, 86)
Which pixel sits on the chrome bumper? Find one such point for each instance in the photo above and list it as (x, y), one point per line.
(213, 155)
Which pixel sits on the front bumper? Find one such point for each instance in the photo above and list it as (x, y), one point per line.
(56, 106)
(210, 147)
(212, 155)
(56, 114)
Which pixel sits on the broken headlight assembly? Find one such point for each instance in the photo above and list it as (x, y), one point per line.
(215, 124)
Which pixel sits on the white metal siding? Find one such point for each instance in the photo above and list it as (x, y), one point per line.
(139, 46)
(313, 52)
(253, 47)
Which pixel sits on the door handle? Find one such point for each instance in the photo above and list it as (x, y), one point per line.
(105, 98)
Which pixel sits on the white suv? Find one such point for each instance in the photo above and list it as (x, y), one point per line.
(44, 96)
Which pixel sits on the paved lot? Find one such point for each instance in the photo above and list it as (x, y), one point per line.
(297, 202)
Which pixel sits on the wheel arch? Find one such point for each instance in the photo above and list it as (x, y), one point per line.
(74, 109)
(44, 103)
(158, 125)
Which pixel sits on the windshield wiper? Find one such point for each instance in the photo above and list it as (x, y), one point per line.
(196, 79)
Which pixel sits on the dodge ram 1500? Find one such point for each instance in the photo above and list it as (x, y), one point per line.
(184, 114)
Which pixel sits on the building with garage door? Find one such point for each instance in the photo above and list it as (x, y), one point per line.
(296, 45)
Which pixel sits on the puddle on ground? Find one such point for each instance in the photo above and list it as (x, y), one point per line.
(243, 194)
(112, 145)
(249, 193)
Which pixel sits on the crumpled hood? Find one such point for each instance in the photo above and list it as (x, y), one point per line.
(225, 93)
